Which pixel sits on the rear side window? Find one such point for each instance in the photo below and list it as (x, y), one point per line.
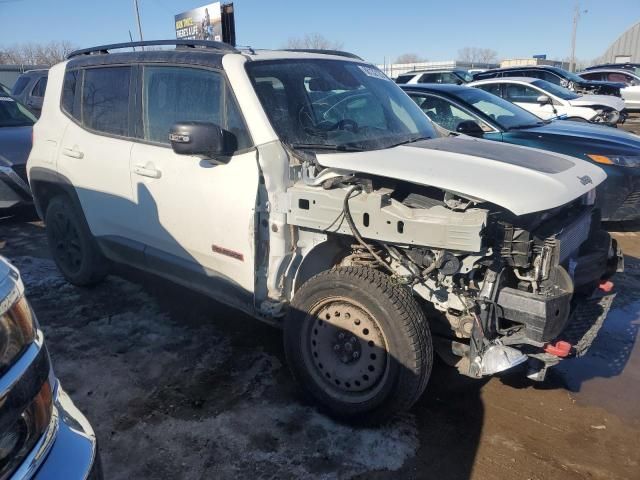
(20, 85)
(179, 94)
(105, 99)
(402, 79)
(40, 88)
(71, 94)
(494, 88)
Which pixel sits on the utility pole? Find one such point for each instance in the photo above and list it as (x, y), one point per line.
(577, 13)
(135, 3)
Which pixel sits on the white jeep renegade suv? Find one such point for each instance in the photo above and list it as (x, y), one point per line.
(309, 190)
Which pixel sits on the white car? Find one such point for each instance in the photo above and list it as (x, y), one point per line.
(630, 93)
(548, 101)
(308, 190)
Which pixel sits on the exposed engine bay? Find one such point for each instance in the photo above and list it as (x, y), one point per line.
(500, 288)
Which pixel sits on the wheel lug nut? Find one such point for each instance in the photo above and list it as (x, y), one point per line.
(353, 339)
(341, 336)
(336, 347)
(356, 354)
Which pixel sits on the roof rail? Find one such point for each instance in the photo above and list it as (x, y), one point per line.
(339, 53)
(102, 49)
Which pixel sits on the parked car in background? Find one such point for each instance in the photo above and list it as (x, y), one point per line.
(29, 89)
(455, 76)
(480, 114)
(635, 67)
(16, 123)
(320, 198)
(547, 100)
(630, 93)
(557, 76)
(43, 434)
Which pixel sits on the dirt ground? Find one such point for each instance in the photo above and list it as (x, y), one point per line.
(177, 386)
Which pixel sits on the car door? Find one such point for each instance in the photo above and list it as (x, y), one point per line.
(526, 97)
(96, 145)
(196, 216)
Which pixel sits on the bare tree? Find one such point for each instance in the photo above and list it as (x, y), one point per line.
(477, 55)
(36, 53)
(410, 58)
(313, 40)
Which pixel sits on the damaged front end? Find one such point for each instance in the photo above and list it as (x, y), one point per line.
(500, 289)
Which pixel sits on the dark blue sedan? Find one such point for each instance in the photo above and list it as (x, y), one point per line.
(478, 113)
(16, 124)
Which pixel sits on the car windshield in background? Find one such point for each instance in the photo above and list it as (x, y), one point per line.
(505, 114)
(556, 90)
(332, 104)
(465, 75)
(13, 114)
(568, 75)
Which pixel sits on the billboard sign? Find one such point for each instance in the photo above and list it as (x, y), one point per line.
(204, 23)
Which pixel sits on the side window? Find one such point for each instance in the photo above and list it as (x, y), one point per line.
(445, 113)
(493, 88)
(179, 94)
(521, 93)
(430, 78)
(591, 76)
(550, 77)
(40, 88)
(105, 99)
(450, 78)
(20, 85)
(619, 77)
(402, 79)
(71, 94)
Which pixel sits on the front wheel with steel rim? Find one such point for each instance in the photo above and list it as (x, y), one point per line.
(358, 343)
(72, 246)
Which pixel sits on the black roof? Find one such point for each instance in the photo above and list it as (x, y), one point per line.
(190, 52)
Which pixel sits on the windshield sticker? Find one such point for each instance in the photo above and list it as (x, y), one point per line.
(373, 72)
(6, 99)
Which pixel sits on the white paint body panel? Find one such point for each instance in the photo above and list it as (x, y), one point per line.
(518, 189)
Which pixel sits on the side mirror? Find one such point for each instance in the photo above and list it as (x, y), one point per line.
(471, 128)
(201, 138)
(544, 100)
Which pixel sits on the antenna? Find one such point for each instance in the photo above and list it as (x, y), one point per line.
(137, 8)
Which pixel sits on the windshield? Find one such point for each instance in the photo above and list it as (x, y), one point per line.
(333, 104)
(505, 114)
(13, 114)
(466, 76)
(556, 90)
(568, 75)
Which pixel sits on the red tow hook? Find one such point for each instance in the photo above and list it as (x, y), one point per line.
(606, 286)
(559, 349)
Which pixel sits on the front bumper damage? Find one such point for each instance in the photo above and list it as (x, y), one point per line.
(564, 324)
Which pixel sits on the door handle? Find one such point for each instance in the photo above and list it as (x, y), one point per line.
(72, 152)
(145, 171)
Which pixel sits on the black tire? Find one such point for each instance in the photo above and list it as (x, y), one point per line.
(73, 248)
(354, 309)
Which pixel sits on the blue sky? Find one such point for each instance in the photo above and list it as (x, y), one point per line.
(373, 29)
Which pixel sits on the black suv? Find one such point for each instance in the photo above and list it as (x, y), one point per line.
(556, 75)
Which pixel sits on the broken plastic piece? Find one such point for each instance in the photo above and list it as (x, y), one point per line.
(560, 349)
(498, 358)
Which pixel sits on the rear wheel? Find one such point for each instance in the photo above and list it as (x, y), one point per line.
(358, 344)
(73, 248)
